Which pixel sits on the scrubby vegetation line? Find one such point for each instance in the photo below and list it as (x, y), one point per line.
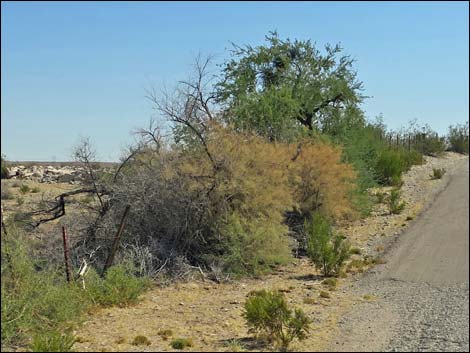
(242, 173)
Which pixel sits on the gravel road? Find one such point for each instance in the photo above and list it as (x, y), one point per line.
(419, 299)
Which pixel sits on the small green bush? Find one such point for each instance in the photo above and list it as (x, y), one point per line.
(140, 341)
(254, 247)
(394, 204)
(267, 312)
(24, 189)
(181, 343)
(119, 287)
(326, 250)
(37, 302)
(355, 251)
(52, 341)
(392, 163)
(437, 173)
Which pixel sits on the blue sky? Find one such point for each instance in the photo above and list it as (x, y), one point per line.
(81, 68)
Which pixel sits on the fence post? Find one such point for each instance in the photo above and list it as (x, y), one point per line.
(66, 256)
(109, 260)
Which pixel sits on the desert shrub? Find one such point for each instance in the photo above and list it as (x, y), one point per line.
(119, 287)
(35, 190)
(394, 204)
(36, 303)
(433, 144)
(36, 300)
(4, 174)
(392, 163)
(52, 341)
(331, 283)
(140, 341)
(437, 173)
(321, 181)
(355, 251)
(458, 138)
(267, 312)
(181, 343)
(326, 249)
(362, 147)
(24, 189)
(255, 247)
(228, 207)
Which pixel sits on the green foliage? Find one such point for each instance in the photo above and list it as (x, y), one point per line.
(254, 246)
(140, 341)
(280, 88)
(327, 250)
(392, 163)
(52, 341)
(267, 312)
(37, 302)
(458, 138)
(119, 287)
(355, 251)
(181, 343)
(35, 190)
(24, 189)
(394, 204)
(437, 173)
(4, 169)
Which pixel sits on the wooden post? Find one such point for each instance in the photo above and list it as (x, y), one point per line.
(66, 256)
(109, 260)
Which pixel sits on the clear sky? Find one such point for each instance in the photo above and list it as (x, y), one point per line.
(81, 68)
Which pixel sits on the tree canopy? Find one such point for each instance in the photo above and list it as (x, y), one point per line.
(280, 88)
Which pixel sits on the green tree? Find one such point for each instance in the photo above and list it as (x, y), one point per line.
(284, 87)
